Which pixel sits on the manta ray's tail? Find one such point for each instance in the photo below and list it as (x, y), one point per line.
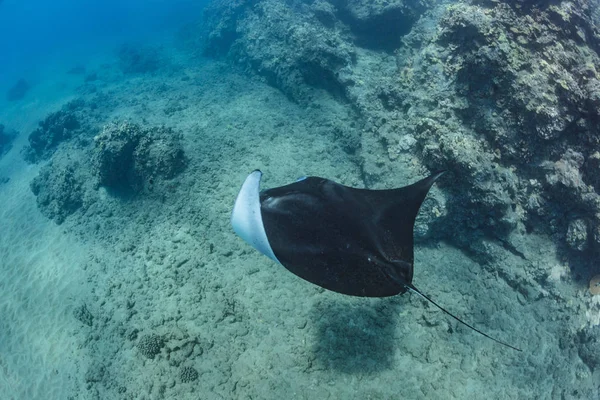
(417, 291)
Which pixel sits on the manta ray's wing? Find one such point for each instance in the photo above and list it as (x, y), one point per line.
(352, 241)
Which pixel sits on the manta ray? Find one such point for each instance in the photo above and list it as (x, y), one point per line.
(357, 242)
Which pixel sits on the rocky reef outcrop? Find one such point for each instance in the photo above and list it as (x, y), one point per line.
(70, 121)
(60, 188)
(131, 158)
(503, 94)
(83, 155)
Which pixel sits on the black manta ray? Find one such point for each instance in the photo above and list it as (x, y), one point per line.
(352, 241)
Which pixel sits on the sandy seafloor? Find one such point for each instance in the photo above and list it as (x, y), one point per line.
(252, 330)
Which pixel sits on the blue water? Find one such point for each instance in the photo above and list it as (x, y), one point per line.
(35, 33)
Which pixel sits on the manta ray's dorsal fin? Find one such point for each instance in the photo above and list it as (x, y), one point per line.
(413, 289)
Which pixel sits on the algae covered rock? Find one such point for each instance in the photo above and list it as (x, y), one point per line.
(56, 128)
(131, 158)
(577, 234)
(59, 188)
(293, 49)
(503, 94)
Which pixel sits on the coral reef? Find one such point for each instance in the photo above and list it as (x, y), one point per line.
(290, 49)
(150, 345)
(125, 158)
(83, 315)
(95, 373)
(504, 95)
(56, 128)
(530, 85)
(18, 90)
(129, 157)
(589, 350)
(60, 189)
(188, 374)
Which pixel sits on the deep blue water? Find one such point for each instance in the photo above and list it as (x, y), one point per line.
(36, 32)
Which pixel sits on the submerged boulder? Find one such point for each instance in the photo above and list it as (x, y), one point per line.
(59, 188)
(128, 157)
(56, 128)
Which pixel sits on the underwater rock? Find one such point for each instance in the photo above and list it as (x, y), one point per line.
(18, 91)
(379, 25)
(82, 314)
(59, 188)
(54, 129)
(589, 349)
(131, 158)
(220, 27)
(287, 45)
(95, 373)
(505, 98)
(325, 12)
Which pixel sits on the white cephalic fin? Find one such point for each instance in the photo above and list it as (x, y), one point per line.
(247, 219)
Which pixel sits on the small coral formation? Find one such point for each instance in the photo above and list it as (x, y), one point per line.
(82, 314)
(129, 157)
(138, 59)
(595, 285)
(577, 234)
(150, 345)
(59, 188)
(95, 373)
(18, 91)
(188, 374)
(54, 129)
